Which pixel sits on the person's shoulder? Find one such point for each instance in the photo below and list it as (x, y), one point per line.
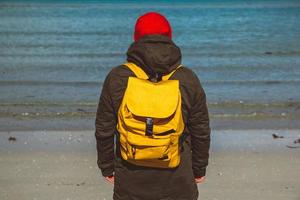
(117, 77)
(187, 75)
(187, 70)
(119, 70)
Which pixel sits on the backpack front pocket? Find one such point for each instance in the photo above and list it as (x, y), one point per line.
(142, 147)
(148, 152)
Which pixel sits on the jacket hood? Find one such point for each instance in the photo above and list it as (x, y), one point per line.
(155, 53)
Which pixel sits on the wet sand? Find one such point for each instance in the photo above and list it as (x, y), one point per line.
(88, 123)
(81, 116)
(244, 164)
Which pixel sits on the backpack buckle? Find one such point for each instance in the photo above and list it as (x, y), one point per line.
(149, 126)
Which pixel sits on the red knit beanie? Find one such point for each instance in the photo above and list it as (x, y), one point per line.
(152, 23)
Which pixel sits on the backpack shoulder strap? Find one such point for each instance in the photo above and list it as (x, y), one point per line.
(166, 77)
(141, 74)
(136, 70)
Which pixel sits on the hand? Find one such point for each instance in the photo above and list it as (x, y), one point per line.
(199, 179)
(110, 179)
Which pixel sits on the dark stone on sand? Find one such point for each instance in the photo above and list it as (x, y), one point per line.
(297, 141)
(81, 110)
(12, 139)
(275, 136)
(79, 184)
(297, 108)
(292, 147)
(268, 52)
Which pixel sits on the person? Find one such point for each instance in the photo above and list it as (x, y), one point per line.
(154, 50)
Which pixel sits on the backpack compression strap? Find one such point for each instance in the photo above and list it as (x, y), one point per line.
(141, 74)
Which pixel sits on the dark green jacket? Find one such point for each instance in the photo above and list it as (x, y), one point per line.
(154, 53)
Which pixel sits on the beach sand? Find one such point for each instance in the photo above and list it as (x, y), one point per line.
(244, 164)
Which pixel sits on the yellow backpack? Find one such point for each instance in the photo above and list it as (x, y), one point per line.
(150, 121)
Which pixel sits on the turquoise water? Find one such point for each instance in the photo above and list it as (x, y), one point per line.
(54, 52)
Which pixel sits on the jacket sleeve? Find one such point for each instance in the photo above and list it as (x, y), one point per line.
(200, 130)
(105, 125)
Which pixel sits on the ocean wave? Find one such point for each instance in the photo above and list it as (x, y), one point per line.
(69, 55)
(236, 110)
(149, 4)
(121, 54)
(240, 54)
(48, 104)
(52, 83)
(243, 104)
(251, 82)
(99, 83)
(224, 104)
(255, 116)
(63, 33)
(83, 113)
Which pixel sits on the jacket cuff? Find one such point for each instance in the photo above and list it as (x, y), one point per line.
(107, 172)
(200, 173)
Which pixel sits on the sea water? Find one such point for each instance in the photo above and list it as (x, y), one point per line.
(59, 52)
